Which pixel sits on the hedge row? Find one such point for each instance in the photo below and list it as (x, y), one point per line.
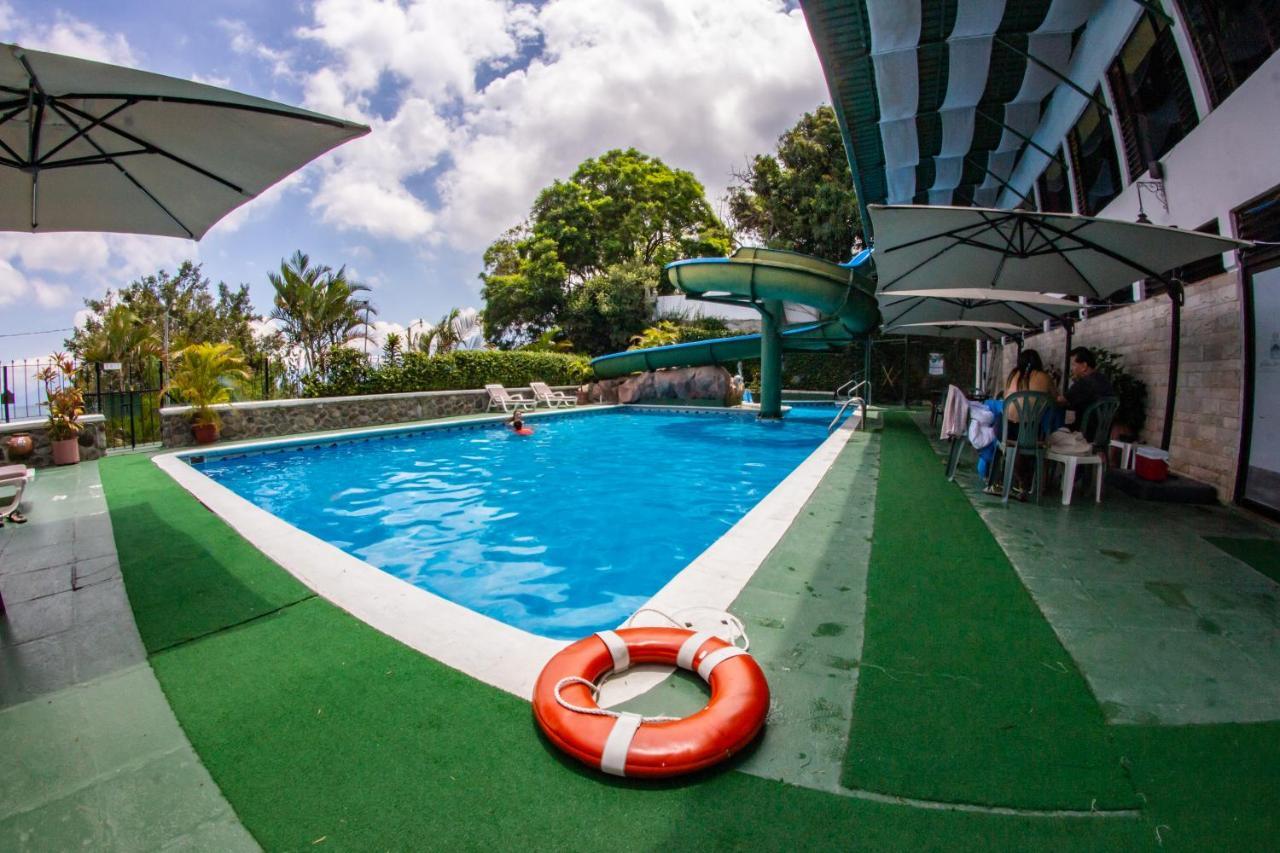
(449, 372)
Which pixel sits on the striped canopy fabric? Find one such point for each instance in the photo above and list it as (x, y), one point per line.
(938, 98)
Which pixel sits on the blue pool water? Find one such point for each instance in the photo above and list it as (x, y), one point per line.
(560, 533)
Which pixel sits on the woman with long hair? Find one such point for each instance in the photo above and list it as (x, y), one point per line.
(1027, 375)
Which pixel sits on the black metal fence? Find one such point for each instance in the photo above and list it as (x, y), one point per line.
(129, 396)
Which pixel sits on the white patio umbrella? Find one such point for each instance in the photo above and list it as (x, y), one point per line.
(1023, 309)
(973, 329)
(86, 146)
(947, 248)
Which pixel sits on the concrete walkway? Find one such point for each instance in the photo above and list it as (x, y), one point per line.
(93, 757)
(1166, 628)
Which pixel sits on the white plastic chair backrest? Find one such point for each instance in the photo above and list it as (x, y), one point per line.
(497, 392)
(541, 389)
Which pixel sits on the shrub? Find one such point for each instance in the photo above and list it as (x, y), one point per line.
(1131, 391)
(458, 370)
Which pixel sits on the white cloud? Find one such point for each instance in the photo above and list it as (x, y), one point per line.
(65, 34)
(243, 42)
(18, 288)
(54, 270)
(212, 80)
(702, 84)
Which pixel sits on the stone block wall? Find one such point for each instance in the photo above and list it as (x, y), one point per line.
(268, 419)
(93, 440)
(1206, 426)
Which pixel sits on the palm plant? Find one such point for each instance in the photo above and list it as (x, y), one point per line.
(123, 337)
(446, 335)
(202, 378)
(391, 349)
(664, 333)
(318, 307)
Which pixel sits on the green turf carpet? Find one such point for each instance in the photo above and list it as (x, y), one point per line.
(187, 573)
(965, 693)
(324, 734)
(1262, 554)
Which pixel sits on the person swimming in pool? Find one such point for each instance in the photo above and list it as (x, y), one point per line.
(517, 425)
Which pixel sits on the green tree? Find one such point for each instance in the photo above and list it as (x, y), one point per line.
(121, 336)
(621, 211)
(197, 313)
(392, 349)
(318, 307)
(606, 311)
(801, 197)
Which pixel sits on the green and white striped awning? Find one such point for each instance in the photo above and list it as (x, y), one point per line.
(937, 99)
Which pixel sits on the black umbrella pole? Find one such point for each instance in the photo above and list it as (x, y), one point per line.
(1175, 343)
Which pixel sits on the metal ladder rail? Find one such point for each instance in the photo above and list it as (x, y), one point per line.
(849, 402)
(852, 385)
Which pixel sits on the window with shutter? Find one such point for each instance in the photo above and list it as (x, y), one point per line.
(1232, 38)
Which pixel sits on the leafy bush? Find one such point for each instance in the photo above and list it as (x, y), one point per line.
(462, 369)
(347, 371)
(1131, 390)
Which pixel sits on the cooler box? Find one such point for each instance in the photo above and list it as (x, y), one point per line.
(1151, 463)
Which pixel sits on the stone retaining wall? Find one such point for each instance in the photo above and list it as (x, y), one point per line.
(271, 418)
(93, 439)
(1206, 425)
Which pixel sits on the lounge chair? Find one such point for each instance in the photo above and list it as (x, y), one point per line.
(499, 396)
(14, 477)
(542, 393)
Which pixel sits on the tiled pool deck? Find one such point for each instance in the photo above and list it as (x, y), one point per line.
(92, 756)
(1166, 628)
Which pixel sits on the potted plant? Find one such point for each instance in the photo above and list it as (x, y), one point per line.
(201, 379)
(66, 405)
(1131, 391)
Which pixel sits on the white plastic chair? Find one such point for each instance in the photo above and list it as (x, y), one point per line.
(499, 396)
(542, 393)
(15, 477)
(1101, 413)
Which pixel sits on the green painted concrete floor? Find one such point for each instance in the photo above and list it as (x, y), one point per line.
(93, 757)
(1166, 628)
(804, 611)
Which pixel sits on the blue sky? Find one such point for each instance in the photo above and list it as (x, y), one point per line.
(475, 105)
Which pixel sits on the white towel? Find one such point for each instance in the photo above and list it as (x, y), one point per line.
(982, 425)
(955, 413)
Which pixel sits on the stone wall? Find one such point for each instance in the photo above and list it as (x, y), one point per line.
(93, 439)
(272, 418)
(1206, 426)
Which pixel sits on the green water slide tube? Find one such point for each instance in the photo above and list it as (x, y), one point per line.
(843, 294)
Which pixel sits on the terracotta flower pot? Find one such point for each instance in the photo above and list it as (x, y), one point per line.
(21, 445)
(66, 452)
(205, 433)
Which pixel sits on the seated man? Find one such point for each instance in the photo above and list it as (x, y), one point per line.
(1087, 385)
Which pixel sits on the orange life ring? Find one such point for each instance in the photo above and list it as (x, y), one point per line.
(524, 431)
(620, 745)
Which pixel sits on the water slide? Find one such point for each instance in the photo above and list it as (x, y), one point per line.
(774, 282)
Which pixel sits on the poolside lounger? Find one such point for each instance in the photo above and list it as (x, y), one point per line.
(499, 396)
(542, 393)
(16, 477)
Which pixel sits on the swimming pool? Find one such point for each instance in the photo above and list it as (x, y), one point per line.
(560, 533)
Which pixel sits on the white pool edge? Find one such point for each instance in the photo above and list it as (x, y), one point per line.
(477, 645)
